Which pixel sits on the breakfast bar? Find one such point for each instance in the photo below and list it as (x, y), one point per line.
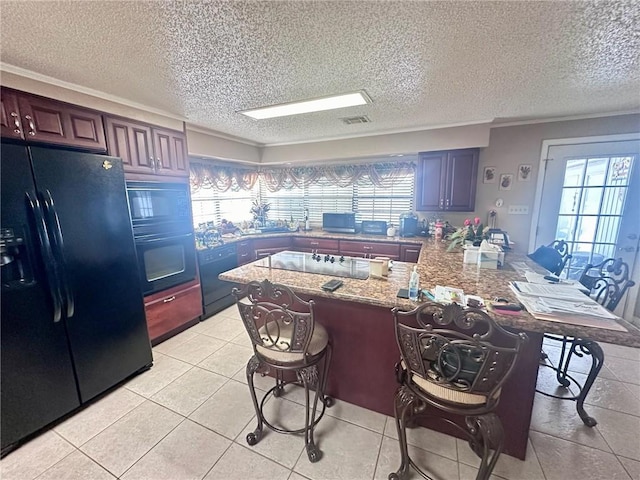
(358, 318)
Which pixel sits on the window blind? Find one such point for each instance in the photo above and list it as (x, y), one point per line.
(209, 205)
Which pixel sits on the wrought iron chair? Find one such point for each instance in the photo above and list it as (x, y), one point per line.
(607, 283)
(553, 257)
(456, 360)
(286, 340)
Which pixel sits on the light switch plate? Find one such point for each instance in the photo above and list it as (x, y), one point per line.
(518, 210)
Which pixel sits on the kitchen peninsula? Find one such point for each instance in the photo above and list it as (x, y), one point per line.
(359, 320)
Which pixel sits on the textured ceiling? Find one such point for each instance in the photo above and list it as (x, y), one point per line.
(424, 64)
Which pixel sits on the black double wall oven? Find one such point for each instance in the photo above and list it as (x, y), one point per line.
(163, 233)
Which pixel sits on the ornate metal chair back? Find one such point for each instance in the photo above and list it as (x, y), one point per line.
(608, 281)
(460, 349)
(275, 318)
(562, 248)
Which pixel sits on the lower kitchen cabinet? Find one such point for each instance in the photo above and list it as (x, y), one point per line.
(353, 248)
(172, 310)
(409, 253)
(322, 245)
(246, 252)
(263, 247)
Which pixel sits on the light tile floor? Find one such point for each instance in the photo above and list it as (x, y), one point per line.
(188, 416)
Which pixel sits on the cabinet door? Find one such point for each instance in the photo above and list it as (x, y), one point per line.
(172, 309)
(322, 245)
(430, 184)
(170, 153)
(409, 253)
(50, 121)
(246, 253)
(132, 142)
(356, 248)
(462, 173)
(11, 124)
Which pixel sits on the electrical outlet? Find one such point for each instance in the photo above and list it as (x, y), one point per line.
(518, 210)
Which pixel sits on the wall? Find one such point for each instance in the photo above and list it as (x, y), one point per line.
(512, 146)
(396, 143)
(208, 144)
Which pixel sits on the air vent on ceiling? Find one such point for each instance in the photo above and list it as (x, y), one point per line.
(353, 120)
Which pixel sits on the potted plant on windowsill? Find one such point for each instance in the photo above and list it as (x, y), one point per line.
(471, 233)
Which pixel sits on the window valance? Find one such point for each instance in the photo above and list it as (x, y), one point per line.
(223, 178)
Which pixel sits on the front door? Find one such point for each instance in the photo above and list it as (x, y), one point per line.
(591, 199)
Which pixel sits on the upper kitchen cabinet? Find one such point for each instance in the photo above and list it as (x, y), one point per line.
(39, 119)
(446, 181)
(147, 150)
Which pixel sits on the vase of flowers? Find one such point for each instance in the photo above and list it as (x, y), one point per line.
(259, 211)
(472, 232)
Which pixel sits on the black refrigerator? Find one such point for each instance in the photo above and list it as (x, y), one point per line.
(73, 322)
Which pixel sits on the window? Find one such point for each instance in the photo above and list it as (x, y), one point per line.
(210, 205)
(365, 199)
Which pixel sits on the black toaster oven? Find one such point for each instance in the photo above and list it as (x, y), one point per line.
(374, 227)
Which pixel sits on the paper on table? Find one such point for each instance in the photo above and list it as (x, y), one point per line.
(586, 308)
(521, 267)
(533, 277)
(566, 292)
(449, 294)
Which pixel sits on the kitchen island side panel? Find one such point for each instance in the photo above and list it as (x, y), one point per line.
(365, 353)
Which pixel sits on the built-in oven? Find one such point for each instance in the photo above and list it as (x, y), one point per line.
(165, 261)
(158, 207)
(163, 233)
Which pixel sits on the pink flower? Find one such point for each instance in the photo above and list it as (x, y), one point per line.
(476, 220)
(467, 222)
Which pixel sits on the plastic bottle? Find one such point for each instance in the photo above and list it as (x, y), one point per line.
(414, 280)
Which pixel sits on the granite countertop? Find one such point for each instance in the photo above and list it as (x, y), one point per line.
(436, 266)
(319, 233)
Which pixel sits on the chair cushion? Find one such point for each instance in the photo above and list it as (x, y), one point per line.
(319, 341)
(448, 394)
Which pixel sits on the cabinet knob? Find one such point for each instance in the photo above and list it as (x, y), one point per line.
(169, 299)
(16, 123)
(158, 163)
(32, 127)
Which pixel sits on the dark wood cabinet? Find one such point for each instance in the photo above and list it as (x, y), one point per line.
(40, 119)
(146, 149)
(322, 245)
(263, 247)
(446, 181)
(245, 252)
(172, 310)
(354, 248)
(409, 253)
(132, 142)
(11, 123)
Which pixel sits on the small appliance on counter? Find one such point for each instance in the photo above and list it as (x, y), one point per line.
(408, 224)
(371, 227)
(339, 222)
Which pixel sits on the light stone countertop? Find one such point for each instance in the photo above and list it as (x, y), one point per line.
(436, 266)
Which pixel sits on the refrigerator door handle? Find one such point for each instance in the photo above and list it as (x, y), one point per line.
(47, 257)
(54, 224)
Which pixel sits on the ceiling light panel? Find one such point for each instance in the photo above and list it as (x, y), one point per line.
(307, 106)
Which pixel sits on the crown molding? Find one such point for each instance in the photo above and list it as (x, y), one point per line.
(565, 119)
(215, 133)
(381, 134)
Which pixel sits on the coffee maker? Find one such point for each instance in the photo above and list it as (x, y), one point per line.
(408, 224)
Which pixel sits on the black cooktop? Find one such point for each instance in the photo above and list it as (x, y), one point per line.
(324, 264)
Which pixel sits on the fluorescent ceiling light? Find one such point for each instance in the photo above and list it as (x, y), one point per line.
(307, 106)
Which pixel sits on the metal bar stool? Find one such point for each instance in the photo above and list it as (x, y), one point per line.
(286, 339)
(607, 283)
(456, 360)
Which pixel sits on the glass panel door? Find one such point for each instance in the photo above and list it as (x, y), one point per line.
(591, 199)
